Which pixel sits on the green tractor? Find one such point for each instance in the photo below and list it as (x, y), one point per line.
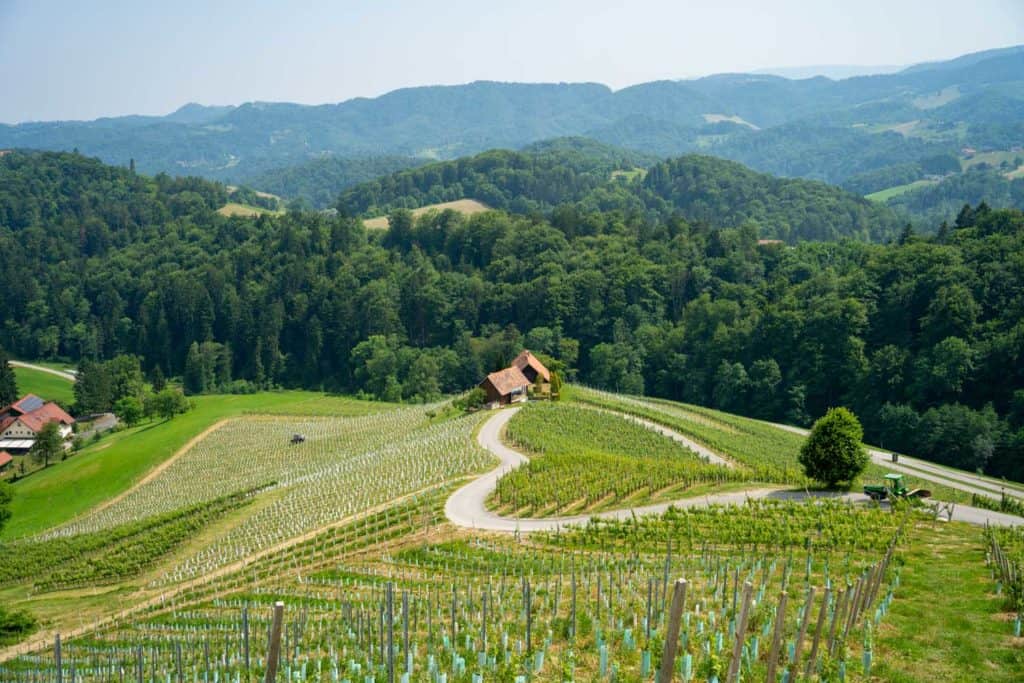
(894, 488)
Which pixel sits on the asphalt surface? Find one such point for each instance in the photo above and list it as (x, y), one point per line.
(467, 506)
(954, 479)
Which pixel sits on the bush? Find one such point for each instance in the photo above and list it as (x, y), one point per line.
(833, 454)
(15, 626)
(473, 400)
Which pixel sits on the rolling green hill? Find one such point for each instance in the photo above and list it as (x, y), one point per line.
(975, 100)
(595, 177)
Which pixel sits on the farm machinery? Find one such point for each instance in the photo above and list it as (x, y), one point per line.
(894, 488)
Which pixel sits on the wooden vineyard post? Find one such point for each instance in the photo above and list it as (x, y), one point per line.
(274, 643)
(390, 597)
(836, 614)
(138, 663)
(650, 588)
(405, 632)
(803, 631)
(245, 639)
(741, 631)
(822, 613)
(773, 654)
(529, 618)
(206, 657)
(668, 657)
(56, 659)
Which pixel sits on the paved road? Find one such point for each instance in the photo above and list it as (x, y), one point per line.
(104, 423)
(954, 479)
(69, 376)
(467, 506)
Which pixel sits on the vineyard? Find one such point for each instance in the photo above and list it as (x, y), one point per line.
(396, 596)
(180, 579)
(583, 460)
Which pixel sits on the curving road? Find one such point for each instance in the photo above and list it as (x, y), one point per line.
(467, 506)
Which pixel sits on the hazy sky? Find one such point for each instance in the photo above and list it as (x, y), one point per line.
(80, 60)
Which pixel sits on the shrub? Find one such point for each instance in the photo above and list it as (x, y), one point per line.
(833, 454)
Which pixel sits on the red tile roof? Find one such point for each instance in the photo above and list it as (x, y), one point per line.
(51, 412)
(5, 458)
(5, 422)
(508, 380)
(527, 359)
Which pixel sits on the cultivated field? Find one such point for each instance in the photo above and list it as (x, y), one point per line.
(176, 576)
(466, 206)
(890, 192)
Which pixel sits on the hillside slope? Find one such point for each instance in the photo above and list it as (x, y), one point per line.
(446, 122)
(594, 177)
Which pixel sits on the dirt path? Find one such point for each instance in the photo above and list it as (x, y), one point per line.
(467, 506)
(69, 376)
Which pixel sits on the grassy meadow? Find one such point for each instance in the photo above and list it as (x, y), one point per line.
(45, 385)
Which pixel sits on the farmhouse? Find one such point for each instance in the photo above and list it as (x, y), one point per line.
(21, 421)
(506, 386)
(513, 384)
(5, 460)
(530, 366)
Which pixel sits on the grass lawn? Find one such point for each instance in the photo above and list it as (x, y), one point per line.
(946, 623)
(890, 192)
(44, 385)
(105, 469)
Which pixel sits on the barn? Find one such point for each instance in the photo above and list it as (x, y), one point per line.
(506, 386)
(531, 367)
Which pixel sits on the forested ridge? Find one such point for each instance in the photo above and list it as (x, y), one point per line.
(580, 175)
(816, 128)
(921, 337)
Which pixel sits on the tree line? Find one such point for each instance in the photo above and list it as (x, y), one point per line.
(920, 337)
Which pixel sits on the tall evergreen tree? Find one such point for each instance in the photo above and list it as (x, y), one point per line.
(8, 381)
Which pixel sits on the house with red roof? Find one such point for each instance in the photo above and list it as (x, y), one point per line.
(22, 421)
(5, 460)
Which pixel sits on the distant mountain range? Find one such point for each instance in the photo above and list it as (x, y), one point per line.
(816, 128)
(833, 71)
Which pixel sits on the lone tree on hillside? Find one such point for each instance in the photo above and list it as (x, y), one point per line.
(833, 453)
(48, 445)
(8, 382)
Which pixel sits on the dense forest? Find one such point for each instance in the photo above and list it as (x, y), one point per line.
(317, 183)
(936, 203)
(921, 337)
(584, 176)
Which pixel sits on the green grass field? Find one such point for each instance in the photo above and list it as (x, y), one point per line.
(890, 192)
(994, 158)
(236, 209)
(108, 468)
(45, 385)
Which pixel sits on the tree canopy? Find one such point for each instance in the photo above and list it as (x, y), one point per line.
(833, 453)
(920, 331)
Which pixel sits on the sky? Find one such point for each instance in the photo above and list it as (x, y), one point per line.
(82, 60)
